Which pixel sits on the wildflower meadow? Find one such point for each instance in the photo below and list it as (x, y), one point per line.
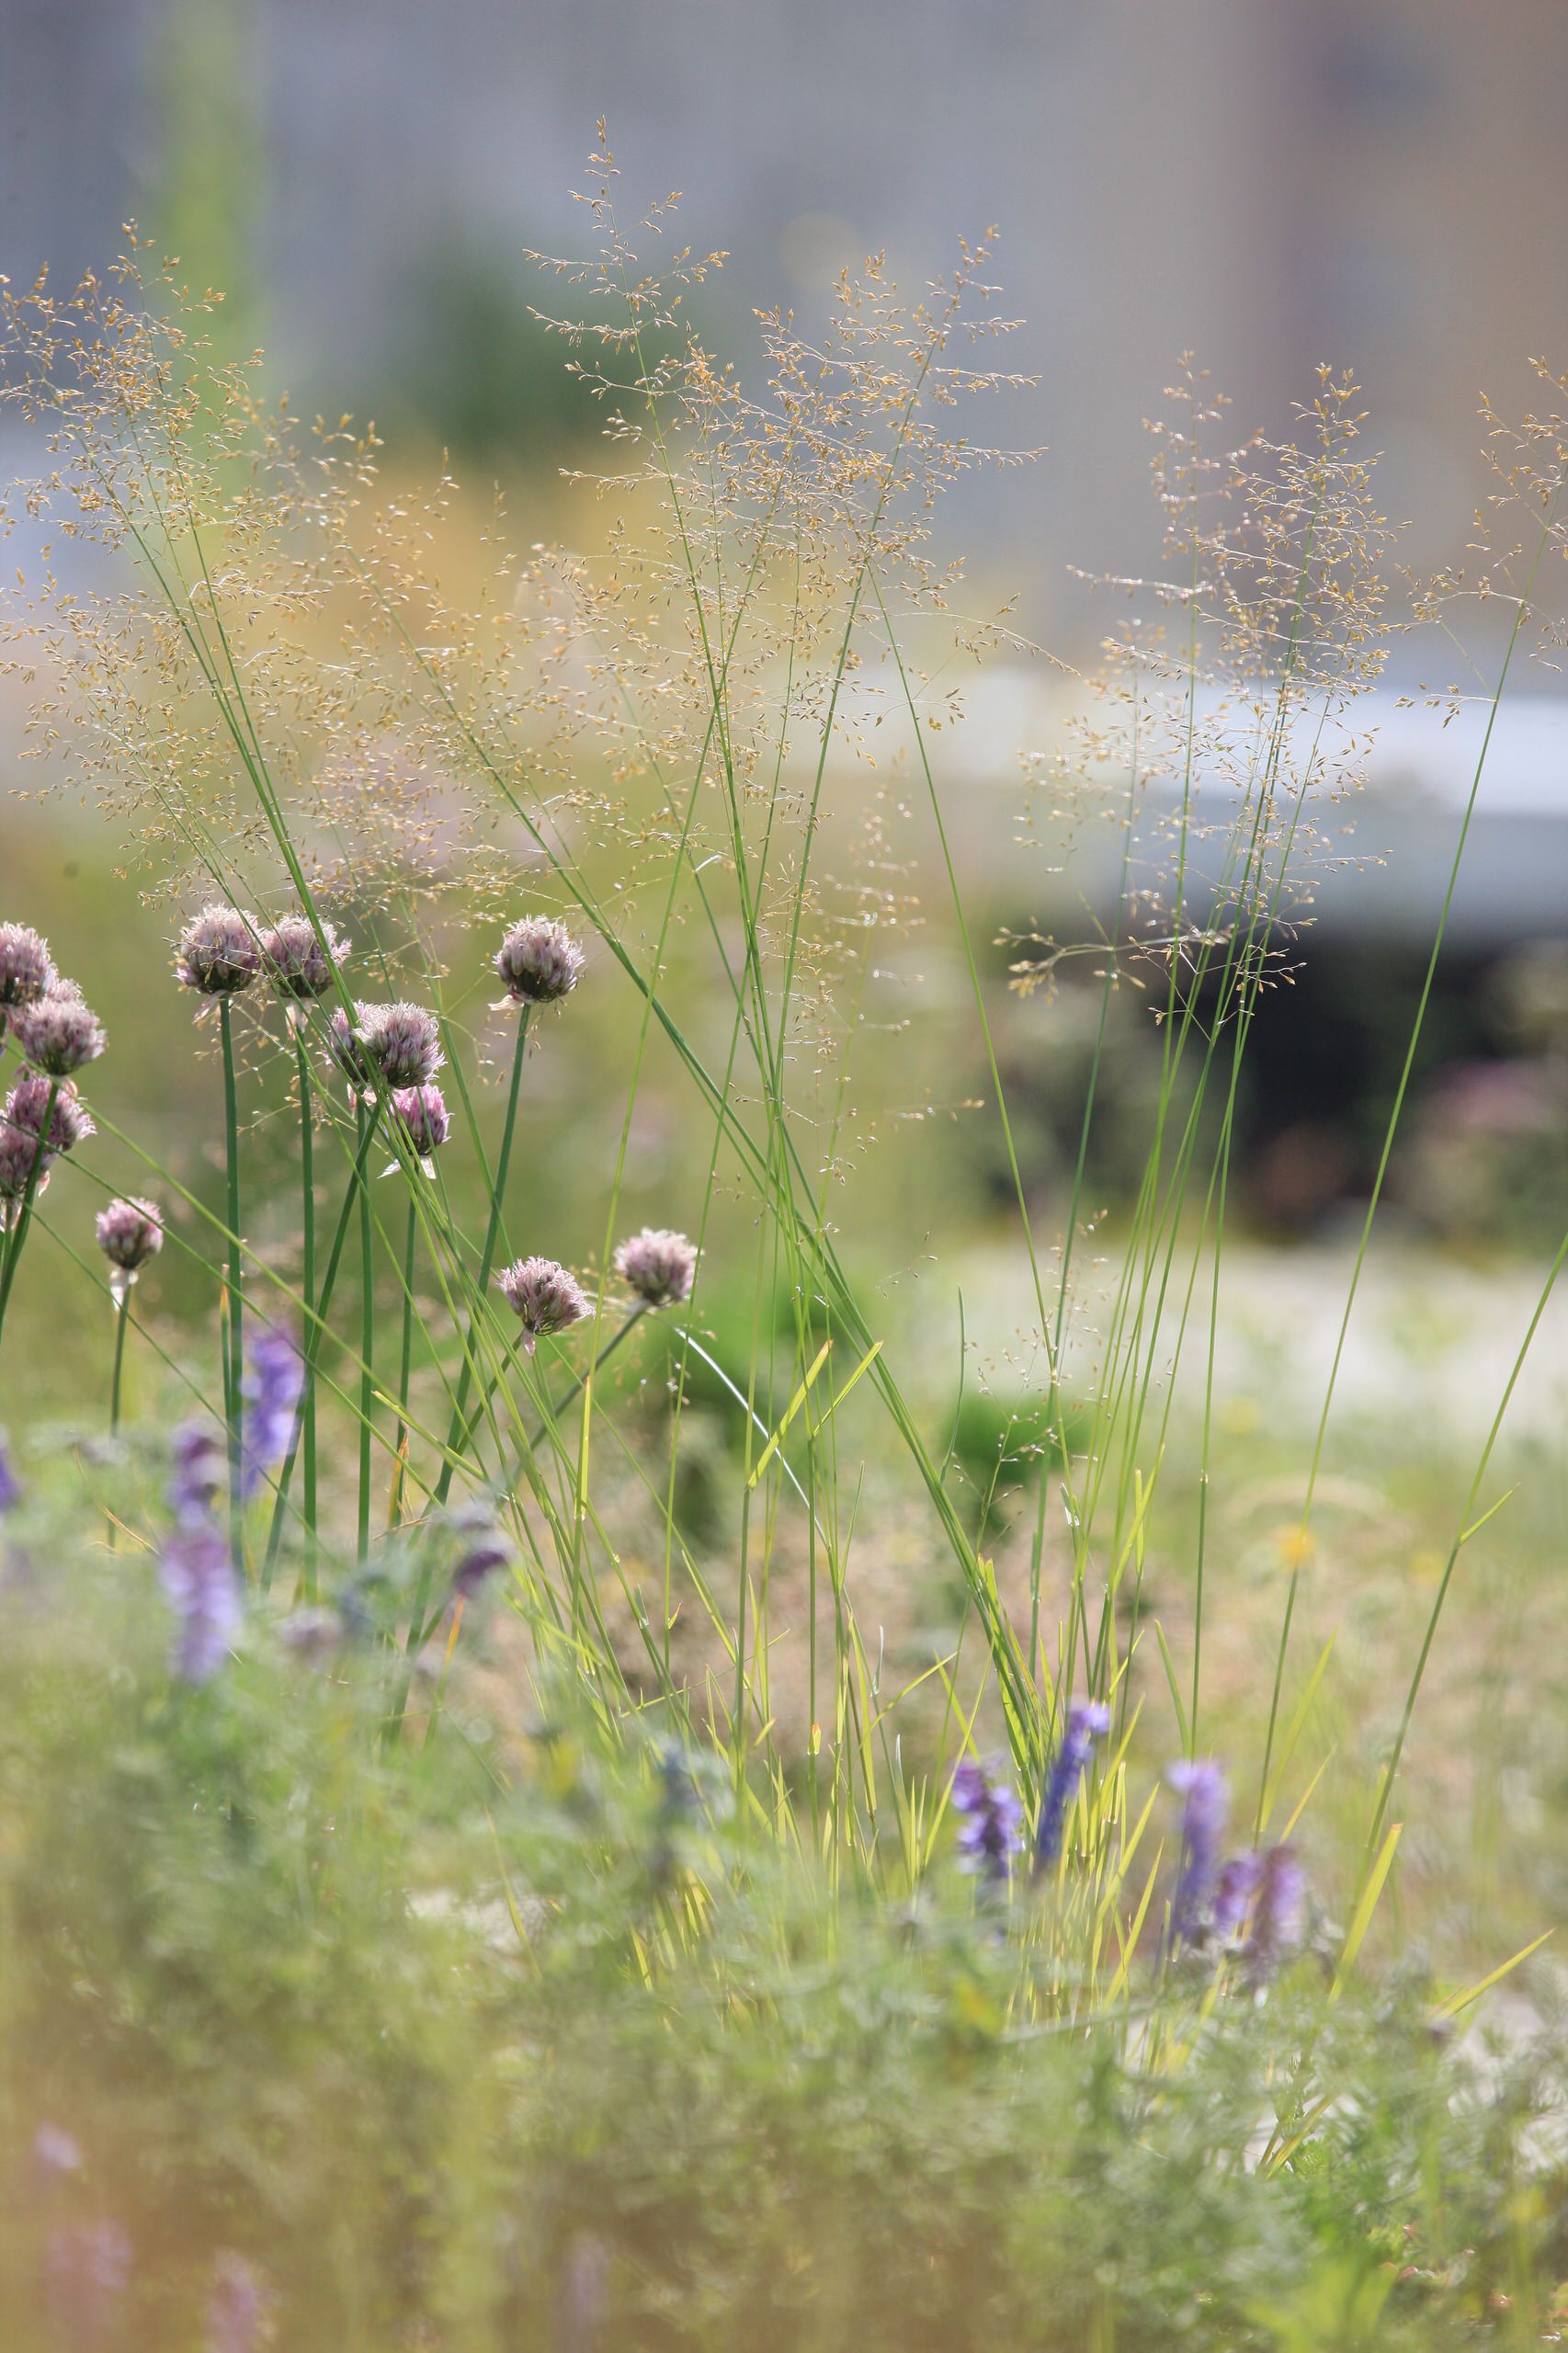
(580, 1766)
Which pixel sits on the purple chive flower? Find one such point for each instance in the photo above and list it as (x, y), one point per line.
(88, 2270)
(237, 2314)
(11, 1489)
(538, 962)
(343, 1046)
(218, 952)
(658, 1265)
(1279, 1913)
(197, 1474)
(421, 1112)
(129, 1233)
(19, 1154)
(295, 960)
(59, 1032)
(990, 1821)
(1238, 1886)
(204, 1592)
(273, 1381)
(27, 968)
(1087, 1720)
(1207, 1797)
(544, 1297)
(70, 1121)
(400, 1043)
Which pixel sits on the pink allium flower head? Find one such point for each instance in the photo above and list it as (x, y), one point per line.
(27, 968)
(70, 1122)
(218, 953)
(403, 1042)
(19, 1151)
(544, 1298)
(538, 962)
(294, 960)
(343, 1045)
(129, 1233)
(659, 1266)
(58, 1032)
(422, 1114)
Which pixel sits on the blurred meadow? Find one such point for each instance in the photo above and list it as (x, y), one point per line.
(947, 753)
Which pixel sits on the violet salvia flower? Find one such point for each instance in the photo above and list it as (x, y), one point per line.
(421, 1112)
(273, 1381)
(237, 2314)
(544, 1298)
(659, 1266)
(1204, 1815)
(218, 952)
(403, 1042)
(27, 968)
(1087, 1720)
(295, 960)
(199, 1579)
(129, 1231)
(1279, 1913)
(10, 1485)
(990, 1821)
(59, 1032)
(88, 2270)
(538, 962)
(197, 1474)
(33, 1098)
(1238, 1886)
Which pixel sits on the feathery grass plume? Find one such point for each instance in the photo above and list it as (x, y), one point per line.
(422, 1115)
(218, 954)
(400, 1043)
(57, 1032)
(990, 1820)
(1206, 1806)
(1278, 1915)
(35, 1099)
(27, 968)
(129, 1231)
(658, 1264)
(538, 962)
(295, 959)
(544, 1297)
(1087, 1720)
(271, 1388)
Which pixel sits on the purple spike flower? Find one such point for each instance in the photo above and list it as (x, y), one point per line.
(1087, 1720)
(544, 1297)
(1207, 1797)
(218, 952)
(1238, 1886)
(1280, 1913)
(990, 1821)
(198, 1475)
(657, 1265)
(59, 1032)
(199, 1579)
(294, 960)
(27, 968)
(421, 1112)
(34, 1096)
(272, 1385)
(11, 1488)
(87, 2268)
(402, 1042)
(538, 962)
(236, 2315)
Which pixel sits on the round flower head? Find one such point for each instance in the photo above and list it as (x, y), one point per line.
(403, 1042)
(27, 968)
(343, 1044)
(58, 1031)
(18, 1153)
(421, 1112)
(129, 1233)
(294, 960)
(659, 1266)
(69, 1120)
(544, 1297)
(218, 953)
(538, 962)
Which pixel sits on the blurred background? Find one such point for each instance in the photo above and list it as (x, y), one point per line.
(1377, 183)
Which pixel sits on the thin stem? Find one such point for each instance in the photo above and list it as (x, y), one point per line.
(122, 1302)
(457, 1436)
(366, 1335)
(235, 1361)
(406, 1361)
(307, 1286)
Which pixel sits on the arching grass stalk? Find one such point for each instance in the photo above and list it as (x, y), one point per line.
(458, 1432)
(233, 1361)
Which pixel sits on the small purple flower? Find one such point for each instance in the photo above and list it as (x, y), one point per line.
(273, 1383)
(197, 1474)
(482, 1550)
(218, 952)
(421, 1112)
(400, 1043)
(204, 1594)
(129, 1231)
(237, 2313)
(1280, 1913)
(87, 2267)
(59, 1032)
(657, 1265)
(27, 968)
(312, 1634)
(990, 1821)
(33, 1098)
(1238, 1886)
(544, 1297)
(11, 1488)
(56, 2152)
(538, 962)
(294, 959)
(343, 1046)
(1204, 1814)
(1087, 1720)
